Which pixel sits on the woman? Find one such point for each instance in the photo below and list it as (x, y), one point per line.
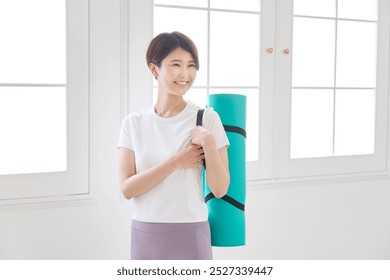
(161, 152)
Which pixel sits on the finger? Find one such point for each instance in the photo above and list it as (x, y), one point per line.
(197, 147)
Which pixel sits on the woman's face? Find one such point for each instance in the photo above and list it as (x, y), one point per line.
(176, 73)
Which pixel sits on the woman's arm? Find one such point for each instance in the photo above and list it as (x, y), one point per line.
(133, 184)
(217, 171)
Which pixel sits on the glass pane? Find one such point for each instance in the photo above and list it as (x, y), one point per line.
(355, 122)
(33, 130)
(356, 54)
(247, 5)
(312, 123)
(234, 49)
(313, 52)
(187, 3)
(358, 9)
(182, 20)
(252, 119)
(33, 50)
(319, 8)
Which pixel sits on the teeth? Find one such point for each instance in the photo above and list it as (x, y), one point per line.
(181, 83)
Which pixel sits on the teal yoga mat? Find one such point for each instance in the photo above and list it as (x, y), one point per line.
(227, 214)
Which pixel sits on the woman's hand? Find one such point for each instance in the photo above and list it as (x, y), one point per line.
(201, 136)
(191, 156)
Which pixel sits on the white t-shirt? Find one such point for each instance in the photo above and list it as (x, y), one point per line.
(178, 197)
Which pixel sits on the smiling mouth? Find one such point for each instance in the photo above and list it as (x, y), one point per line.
(181, 83)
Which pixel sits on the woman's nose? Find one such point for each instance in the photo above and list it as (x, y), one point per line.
(183, 73)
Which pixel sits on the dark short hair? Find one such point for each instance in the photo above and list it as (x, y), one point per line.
(164, 43)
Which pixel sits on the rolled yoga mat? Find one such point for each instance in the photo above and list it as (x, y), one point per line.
(227, 214)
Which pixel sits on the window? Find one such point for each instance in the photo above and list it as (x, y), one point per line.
(335, 90)
(315, 74)
(43, 98)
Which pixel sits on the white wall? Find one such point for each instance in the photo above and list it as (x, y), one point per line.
(311, 220)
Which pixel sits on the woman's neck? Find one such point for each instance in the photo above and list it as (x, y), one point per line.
(169, 107)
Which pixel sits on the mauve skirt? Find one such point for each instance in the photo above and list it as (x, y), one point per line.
(170, 241)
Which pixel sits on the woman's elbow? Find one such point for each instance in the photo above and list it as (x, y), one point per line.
(125, 192)
(222, 189)
(219, 194)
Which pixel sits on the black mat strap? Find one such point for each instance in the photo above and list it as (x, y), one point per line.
(228, 199)
(199, 121)
(235, 129)
(199, 117)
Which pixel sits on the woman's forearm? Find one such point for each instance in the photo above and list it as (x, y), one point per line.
(217, 171)
(133, 184)
(140, 183)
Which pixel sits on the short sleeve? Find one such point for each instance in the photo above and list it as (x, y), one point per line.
(213, 122)
(125, 134)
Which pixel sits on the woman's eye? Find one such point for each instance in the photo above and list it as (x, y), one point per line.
(191, 65)
(176, 65)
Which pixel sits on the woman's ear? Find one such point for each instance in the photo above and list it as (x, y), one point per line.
(154, 70)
